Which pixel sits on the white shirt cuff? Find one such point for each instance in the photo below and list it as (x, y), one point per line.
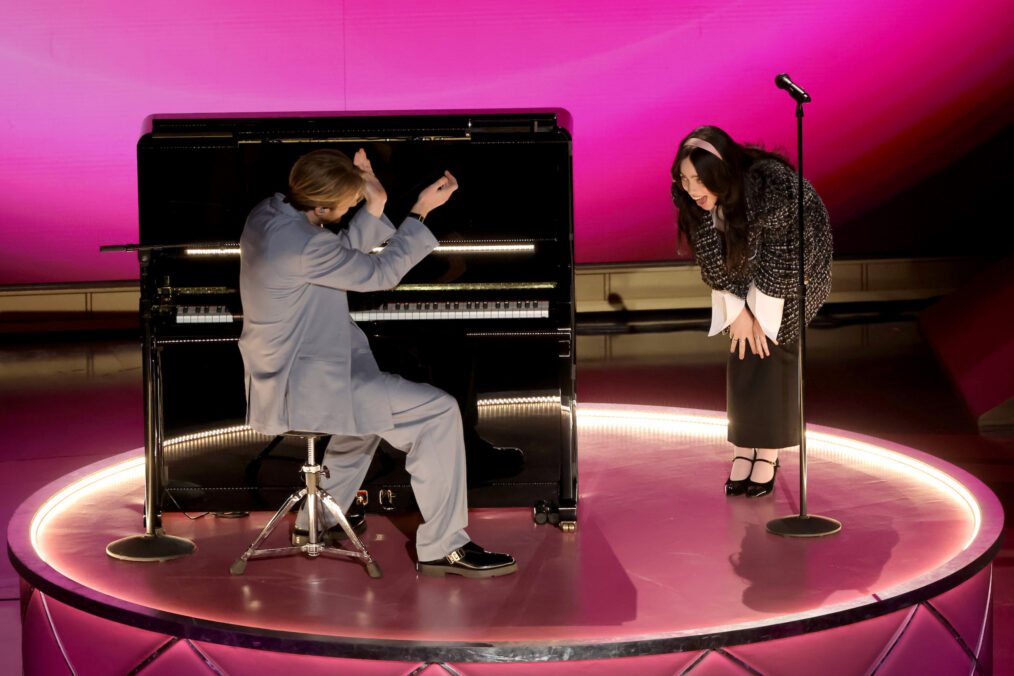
(767, 309)
(725, 307)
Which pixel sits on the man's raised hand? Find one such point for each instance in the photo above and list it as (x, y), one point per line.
(376, 196)
(435, 194)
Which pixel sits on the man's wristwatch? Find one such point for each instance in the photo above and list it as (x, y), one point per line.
(417, 216)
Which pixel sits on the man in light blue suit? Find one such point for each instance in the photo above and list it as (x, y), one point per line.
(309, 367)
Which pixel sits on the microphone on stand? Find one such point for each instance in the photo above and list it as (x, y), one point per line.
(802, 524)
(783, 81)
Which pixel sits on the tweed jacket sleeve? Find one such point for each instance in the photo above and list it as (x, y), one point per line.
(709, 253)
(772, 207)
(772, 265)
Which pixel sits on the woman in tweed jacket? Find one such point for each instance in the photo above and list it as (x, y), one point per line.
(738, 213)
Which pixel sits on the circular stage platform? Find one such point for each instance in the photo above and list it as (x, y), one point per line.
(664, 574)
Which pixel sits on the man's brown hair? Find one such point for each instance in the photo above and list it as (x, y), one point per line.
(323, 178)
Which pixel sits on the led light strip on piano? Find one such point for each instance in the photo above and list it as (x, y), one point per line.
(213, 251)
(477, 248)
(519, 401)
(235, 429)
(520, 247)
(432, 288)
(522, 309)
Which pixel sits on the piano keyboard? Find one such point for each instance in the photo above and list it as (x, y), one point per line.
(203, 314)
(521, 309)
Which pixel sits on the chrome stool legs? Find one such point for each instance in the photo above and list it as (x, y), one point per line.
(317, 499)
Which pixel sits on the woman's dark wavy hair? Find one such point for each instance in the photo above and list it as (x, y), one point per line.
(726, 179)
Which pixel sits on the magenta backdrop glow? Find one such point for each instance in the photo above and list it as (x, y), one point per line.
(900, 88)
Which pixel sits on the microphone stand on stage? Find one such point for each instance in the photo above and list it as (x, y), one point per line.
(802, 524)
(154, 545)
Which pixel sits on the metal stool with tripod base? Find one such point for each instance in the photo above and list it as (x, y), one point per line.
(317, 500)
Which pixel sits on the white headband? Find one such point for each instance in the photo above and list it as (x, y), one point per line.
(694, 142)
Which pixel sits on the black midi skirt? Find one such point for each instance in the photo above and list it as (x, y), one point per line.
(762, 398)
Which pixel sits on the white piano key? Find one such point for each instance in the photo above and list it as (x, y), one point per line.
(203, 314)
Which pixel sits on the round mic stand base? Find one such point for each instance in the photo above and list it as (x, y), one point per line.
(810, 526)
(159, 547)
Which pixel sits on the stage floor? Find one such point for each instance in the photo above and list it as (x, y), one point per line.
(661, 562)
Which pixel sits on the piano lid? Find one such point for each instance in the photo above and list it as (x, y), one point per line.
(423, 125)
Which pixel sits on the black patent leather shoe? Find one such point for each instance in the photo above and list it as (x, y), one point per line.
(738, 486)
(758, 490)
(356, 518)
(469, 560)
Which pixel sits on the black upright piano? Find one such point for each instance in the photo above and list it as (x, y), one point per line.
(487, 317)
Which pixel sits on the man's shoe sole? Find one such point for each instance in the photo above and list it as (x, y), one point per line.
(435, 570)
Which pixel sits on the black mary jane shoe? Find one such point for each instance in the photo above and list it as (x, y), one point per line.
(739, 486)
(469, 560)
(758, 490)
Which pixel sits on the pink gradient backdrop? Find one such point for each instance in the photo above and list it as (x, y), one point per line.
(900, 89)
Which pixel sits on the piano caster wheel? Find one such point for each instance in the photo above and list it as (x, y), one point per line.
(238, 567)
(568, 526)
(373, 570)
(540, 512)
(554, 518)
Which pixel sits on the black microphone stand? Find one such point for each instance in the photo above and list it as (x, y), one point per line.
(802, 524)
